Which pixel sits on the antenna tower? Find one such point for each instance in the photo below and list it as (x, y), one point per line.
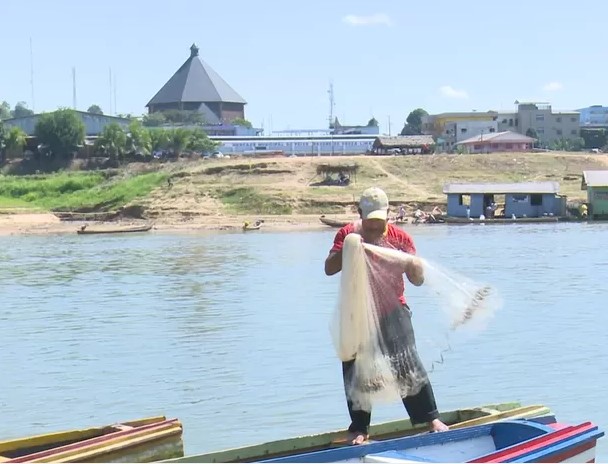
(332, 103)
(32, 74)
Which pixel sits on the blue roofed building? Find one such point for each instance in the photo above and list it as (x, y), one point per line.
(524, 199)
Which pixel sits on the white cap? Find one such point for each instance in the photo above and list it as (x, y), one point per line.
(374, 204)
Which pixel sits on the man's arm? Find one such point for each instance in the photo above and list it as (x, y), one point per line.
(333, 263)
(414, 270)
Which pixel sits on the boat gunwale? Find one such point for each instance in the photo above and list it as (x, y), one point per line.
(383, 430)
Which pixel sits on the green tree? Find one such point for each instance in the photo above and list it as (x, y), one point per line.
(178, 140)
(112, 141)
(138, 139)
(61, 131)
(242, 122)
(159, 139)
(200, 142)
(191, 117)
(154, 119)
(95, 109)
(594, 138)
(408, 130)
(15, 140)
(414, 120)
(21, 110)
(2, 141)
(5, 110)
(372, 123)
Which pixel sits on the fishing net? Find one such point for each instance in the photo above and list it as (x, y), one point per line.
(372, 328)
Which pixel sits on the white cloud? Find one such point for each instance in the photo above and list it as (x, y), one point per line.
(450, 92)
(553, 86)
(370, 20)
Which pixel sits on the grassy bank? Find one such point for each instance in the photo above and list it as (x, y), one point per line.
(98, 191)
(283, 186)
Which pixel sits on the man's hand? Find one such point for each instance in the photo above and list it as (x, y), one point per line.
(415, 271)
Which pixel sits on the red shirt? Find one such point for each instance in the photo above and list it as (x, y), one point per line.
(391, 286)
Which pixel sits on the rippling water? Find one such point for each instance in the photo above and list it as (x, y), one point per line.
(229, 332)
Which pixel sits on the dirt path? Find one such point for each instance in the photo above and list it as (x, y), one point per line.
(392, 176)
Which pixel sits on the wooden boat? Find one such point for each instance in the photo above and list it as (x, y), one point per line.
(333, 222)
(456, 419)
(113, 230)
(506, 441)
(144, 440)
(247, 228)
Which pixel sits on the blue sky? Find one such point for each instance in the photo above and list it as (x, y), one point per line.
(385, 58)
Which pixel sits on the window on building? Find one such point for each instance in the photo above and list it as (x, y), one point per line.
(463, 130)
(574, 132)
(540, 117)
(464, 200)
(509, 145)
(504, 121)
(511, 122)
(536, 199)
(559, 131)
(492, 129)
(540, 130)
(516, 122)
(572, 119)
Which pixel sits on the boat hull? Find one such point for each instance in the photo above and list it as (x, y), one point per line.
(503, 441)
(333, 222)
(145, 440)
(113, 231)
(384, 431)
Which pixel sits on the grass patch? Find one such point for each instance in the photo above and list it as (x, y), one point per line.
(247, 200)
(76, 191)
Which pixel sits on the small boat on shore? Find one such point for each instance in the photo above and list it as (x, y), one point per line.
(255, 226)
(503, 441)
(333, 222)
(144, 440)
(456, 419)
(85, 230)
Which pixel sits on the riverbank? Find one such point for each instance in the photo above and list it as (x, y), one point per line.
(197, 195)
(46, 223)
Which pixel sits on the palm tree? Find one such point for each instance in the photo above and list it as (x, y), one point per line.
(15, 140)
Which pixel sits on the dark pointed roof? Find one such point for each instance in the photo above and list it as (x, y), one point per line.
(196, 81)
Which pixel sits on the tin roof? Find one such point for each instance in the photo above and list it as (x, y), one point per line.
(495, 137)
(594, 179)
(520, 187)
(403, 141)
(196, 81)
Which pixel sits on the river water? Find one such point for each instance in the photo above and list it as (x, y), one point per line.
(229, 332)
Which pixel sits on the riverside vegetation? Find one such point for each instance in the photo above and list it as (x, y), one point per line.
(281, 186)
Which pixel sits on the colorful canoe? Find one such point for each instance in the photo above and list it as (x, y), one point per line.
(503, 441)
(456, 419)
(145, 440)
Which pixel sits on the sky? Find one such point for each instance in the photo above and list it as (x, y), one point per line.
(385, 58)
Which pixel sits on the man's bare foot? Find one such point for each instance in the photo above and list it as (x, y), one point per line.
(357, 438)
(438, 426)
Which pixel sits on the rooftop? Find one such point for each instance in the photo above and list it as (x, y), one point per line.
(404, 141)
(594, 179)
(495, 137)
(521, 187)
(196, 81)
